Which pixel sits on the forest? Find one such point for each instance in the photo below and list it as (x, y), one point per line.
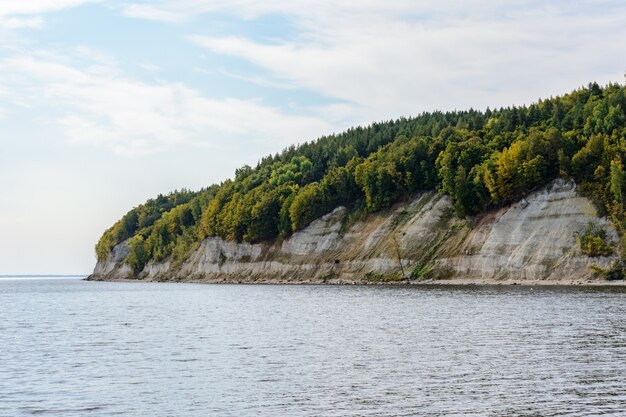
(481, 159)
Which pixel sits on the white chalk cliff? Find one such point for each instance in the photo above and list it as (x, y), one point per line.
(532, 240)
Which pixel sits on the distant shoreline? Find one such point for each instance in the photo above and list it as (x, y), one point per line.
(45, 276)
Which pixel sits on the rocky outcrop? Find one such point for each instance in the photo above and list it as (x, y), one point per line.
(421, 240)
(114, 266)
(533, 239)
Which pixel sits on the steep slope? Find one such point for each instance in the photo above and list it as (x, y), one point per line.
(533, 240)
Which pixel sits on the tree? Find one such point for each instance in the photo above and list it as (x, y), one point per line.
(306, 206)
(617, 180)
(138, 255)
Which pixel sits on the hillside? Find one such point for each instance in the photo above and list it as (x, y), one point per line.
(475, 164)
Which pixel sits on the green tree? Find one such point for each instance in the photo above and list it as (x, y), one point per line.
(617, 180)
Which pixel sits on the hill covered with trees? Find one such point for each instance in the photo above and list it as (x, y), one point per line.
(481, 160)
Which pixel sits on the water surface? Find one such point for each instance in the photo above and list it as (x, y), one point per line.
(75, 348)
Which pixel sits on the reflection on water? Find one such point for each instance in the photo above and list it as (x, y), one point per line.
(79, 348)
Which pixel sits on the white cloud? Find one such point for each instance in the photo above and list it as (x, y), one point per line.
(151, 68)
(146, 11)
(319, 10)
(27, 14)
(400, 58)
(98, 105)
(22, 22)
(26, 7)
(179, 10)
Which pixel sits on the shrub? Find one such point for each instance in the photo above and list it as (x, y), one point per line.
(421, 271)
(615, 272)
(593, 241)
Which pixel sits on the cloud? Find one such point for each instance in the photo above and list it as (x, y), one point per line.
(22, 22)
(319, 10)
(146, 11)
(179, 10)
(404, 57)
(27, 14)
(31, 7)
(96, 104)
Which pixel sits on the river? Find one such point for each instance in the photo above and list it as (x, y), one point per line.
(76, 348)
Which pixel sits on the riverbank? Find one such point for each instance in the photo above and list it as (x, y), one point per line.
(403, 283)
(531, 242)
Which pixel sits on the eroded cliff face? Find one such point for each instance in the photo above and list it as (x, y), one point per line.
(114, 267)
(531, 241)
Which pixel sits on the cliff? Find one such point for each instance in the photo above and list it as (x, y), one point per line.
(532, 241)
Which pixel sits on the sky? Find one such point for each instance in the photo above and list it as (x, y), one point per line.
(106, 103)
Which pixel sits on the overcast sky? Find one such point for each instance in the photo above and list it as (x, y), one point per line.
(106, 103)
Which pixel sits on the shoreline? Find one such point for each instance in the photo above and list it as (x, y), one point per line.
(448, 282)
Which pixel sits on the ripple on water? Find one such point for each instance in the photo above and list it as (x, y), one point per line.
(74, 348)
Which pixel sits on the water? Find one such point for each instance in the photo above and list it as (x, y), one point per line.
(74, 348)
